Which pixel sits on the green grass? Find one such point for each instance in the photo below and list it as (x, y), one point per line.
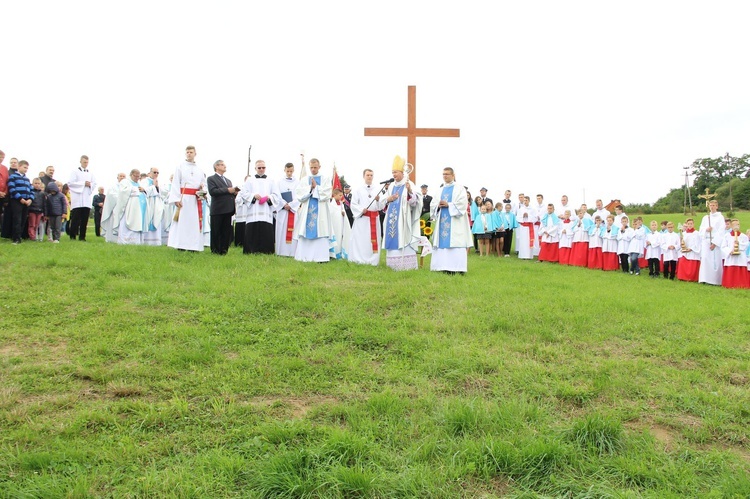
(134, 371)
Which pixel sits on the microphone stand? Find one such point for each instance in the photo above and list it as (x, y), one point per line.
(382, 191)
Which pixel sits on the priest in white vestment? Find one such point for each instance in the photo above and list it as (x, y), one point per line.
(155, 209)
(189, 181)
(401, 232)
(712, 231)
(366, 239)
(131, 210)
(452, 234)
(313, 223)
(108, 223)
(286, 212)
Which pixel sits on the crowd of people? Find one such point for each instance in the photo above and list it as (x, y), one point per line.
(313, 218)
(717, 253)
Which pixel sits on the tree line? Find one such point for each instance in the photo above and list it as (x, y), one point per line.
(727, 176)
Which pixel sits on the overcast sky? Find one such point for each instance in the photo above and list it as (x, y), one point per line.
(602, 99)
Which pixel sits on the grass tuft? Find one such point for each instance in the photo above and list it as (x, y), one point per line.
(599, 434)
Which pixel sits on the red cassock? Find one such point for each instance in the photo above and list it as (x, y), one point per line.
(549, 252)
(687, 270)
(735, 276)
(595, 259)
(563, 255)
(579, 254)
(610, 261)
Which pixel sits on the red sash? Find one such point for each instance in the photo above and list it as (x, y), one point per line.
(531, 232)
(373, 216)
(193, 192)
(289, 227)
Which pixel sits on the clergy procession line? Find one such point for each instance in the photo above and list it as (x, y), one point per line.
(315, 219)
(308, 218)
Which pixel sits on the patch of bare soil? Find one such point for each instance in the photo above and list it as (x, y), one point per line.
(663, 434)
(485, 489)
(298, 407)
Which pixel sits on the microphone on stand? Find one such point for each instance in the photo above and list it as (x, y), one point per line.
(387, 181)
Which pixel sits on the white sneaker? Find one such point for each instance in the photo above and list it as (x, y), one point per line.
(55, 242)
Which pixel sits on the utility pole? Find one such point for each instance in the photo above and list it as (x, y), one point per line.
(687, 198)
(729, 164)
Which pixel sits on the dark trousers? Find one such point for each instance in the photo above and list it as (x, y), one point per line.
(653, 267)
(79, 218)
(20, 214)
(54, 224)
(507, 240)
(259, 238)
(7, 227)
(670, 268)
(239, 233)
(624, 262)
(98, 221)
(221, 233)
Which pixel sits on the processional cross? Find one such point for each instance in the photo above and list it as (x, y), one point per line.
(708, 197)
(411, 132)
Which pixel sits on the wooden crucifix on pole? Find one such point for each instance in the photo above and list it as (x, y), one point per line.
(411, 132)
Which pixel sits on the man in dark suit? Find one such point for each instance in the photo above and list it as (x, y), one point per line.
(483, 194)
(98, 203)
(222, 208)
(348, 203)
(426, 200)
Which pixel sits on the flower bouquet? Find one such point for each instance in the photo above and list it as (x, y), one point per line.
(425, 231)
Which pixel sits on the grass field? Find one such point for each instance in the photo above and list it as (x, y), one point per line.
(145, 372)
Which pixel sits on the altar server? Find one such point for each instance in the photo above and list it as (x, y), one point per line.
(712, 235)
(550, 230)
(734, 248)
(367, 201)
(565, 244)
(186, 196)
(596, 241)
(652, 252)
(610, 259)
(689, 258)
(286, 212)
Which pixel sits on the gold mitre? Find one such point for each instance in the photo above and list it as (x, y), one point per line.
(398, 164)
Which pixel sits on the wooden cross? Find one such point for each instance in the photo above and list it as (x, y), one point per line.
(411, 132)
(707, 197)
